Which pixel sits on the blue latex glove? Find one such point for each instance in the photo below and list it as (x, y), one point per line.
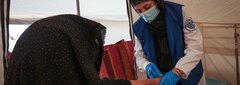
(153, 71)
(170, 78)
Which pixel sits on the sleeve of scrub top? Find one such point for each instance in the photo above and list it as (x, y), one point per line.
(141, 58)
(193, 43)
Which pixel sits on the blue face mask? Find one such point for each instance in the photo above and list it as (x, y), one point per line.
(150, 15)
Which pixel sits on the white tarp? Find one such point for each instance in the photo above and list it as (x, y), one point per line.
(34, 9)
(219, 52)
(217, 11)
(110, 13)
(94, 9)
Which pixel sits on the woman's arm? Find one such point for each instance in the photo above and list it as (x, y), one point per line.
(106, 81)
(193, 43)
(141, 58)
(146, 82)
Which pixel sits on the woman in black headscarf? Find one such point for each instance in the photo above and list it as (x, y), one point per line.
(61, 50)
(168, 43)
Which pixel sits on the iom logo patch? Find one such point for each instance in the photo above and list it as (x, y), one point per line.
(190, 25)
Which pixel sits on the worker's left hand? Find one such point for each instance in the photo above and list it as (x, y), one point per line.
(170, 78)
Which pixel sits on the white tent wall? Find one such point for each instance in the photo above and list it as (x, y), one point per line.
(104, 9)
(116, 30)
(110, 13)
(23, 10)
(219, 50)
(216, 11)
(93, 9)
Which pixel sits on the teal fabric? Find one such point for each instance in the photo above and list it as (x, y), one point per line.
(215, 82)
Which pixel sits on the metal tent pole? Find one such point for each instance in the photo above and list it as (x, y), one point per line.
(78, 7)
(130, 17)
(236, 35)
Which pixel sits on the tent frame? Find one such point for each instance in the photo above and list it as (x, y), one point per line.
(78, 7)
(236, 35)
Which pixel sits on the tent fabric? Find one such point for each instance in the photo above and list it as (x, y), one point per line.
(4, 17)
(215, 19)
(219, 51)
(32, 9)
(28, 11)
(110, 13)
(217, 11)
(210, 11)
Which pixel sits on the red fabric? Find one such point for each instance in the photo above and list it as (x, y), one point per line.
(118, 61)
(126, 60)
(130, 51)
(106, 72)
(9, 55)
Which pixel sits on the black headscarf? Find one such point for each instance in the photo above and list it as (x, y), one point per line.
(59, 50)
(158, 30)
(160, 3)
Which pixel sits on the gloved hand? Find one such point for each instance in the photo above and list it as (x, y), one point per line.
(153, 71)
(170, 78)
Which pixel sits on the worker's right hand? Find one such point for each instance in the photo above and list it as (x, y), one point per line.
(152, 71)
